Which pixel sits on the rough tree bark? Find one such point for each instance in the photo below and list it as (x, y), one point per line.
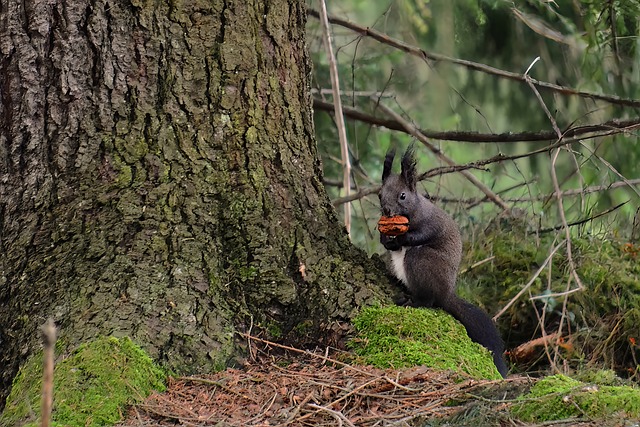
(159, 179)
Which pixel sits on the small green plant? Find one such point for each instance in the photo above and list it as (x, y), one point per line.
(91, 386)
(402, 336)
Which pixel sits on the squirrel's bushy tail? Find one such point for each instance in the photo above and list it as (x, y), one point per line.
(480, 329)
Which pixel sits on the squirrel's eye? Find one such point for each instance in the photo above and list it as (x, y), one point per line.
(403, 196)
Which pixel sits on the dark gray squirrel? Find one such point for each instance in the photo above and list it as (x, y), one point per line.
(427, 257)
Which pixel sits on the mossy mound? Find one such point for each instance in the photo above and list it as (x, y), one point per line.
(91, 386)
(559, 398)
(397, 337)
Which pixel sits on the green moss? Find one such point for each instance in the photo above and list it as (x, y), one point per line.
(402, 336)
(601, 377)
(304, 327)
(559, 397)
(131, 149)
(274, 330)
(248, 273)
(91, 386)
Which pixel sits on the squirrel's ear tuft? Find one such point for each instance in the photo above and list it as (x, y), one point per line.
(409, 168)
(388, 163)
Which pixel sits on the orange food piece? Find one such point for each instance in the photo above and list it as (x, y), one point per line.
(393, 225)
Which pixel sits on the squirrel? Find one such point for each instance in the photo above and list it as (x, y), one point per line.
(427, 257)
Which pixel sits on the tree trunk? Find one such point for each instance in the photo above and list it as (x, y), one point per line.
(159, 179)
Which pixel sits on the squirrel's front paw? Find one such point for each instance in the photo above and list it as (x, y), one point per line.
(390, 243)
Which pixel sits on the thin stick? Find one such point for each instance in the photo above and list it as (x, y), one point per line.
(594, 188)
(438, 153)
(296, 411)
(584, 220)
(529, 81)
(501, 158)
(217, 384)
(477, 264)
(335, 85)
(49, 338)
(339, 416)
(353, 93)
(611, 168)
(556, 186)
(308, 353)
(542, 315)
(325, 358)
(555, 294)
(478, 137)
(565, 193)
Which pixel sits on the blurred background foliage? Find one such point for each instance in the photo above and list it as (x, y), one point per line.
(587, 45)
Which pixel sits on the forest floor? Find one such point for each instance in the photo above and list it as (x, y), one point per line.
(304, 388)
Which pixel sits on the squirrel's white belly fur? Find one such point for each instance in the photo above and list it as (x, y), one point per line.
(397, 262)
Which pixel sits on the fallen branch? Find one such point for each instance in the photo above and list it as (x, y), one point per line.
(526, 351)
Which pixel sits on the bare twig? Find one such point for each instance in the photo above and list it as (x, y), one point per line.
(555, 295)
(354, 391)
(352, 93)
(308, 353)
(497, 159)
(335, 85)
(49, 337)
(541, 316)
(438, 153)
(477, 264)
(565, 225)
(565, 193)
(339, 416)
(556, 185)
(430, 56)
(595, 188)
(611, 168)
(554, 178)
(529, 81)
(217, 384)
(325, 358)
(584, 220)
(635, 227)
